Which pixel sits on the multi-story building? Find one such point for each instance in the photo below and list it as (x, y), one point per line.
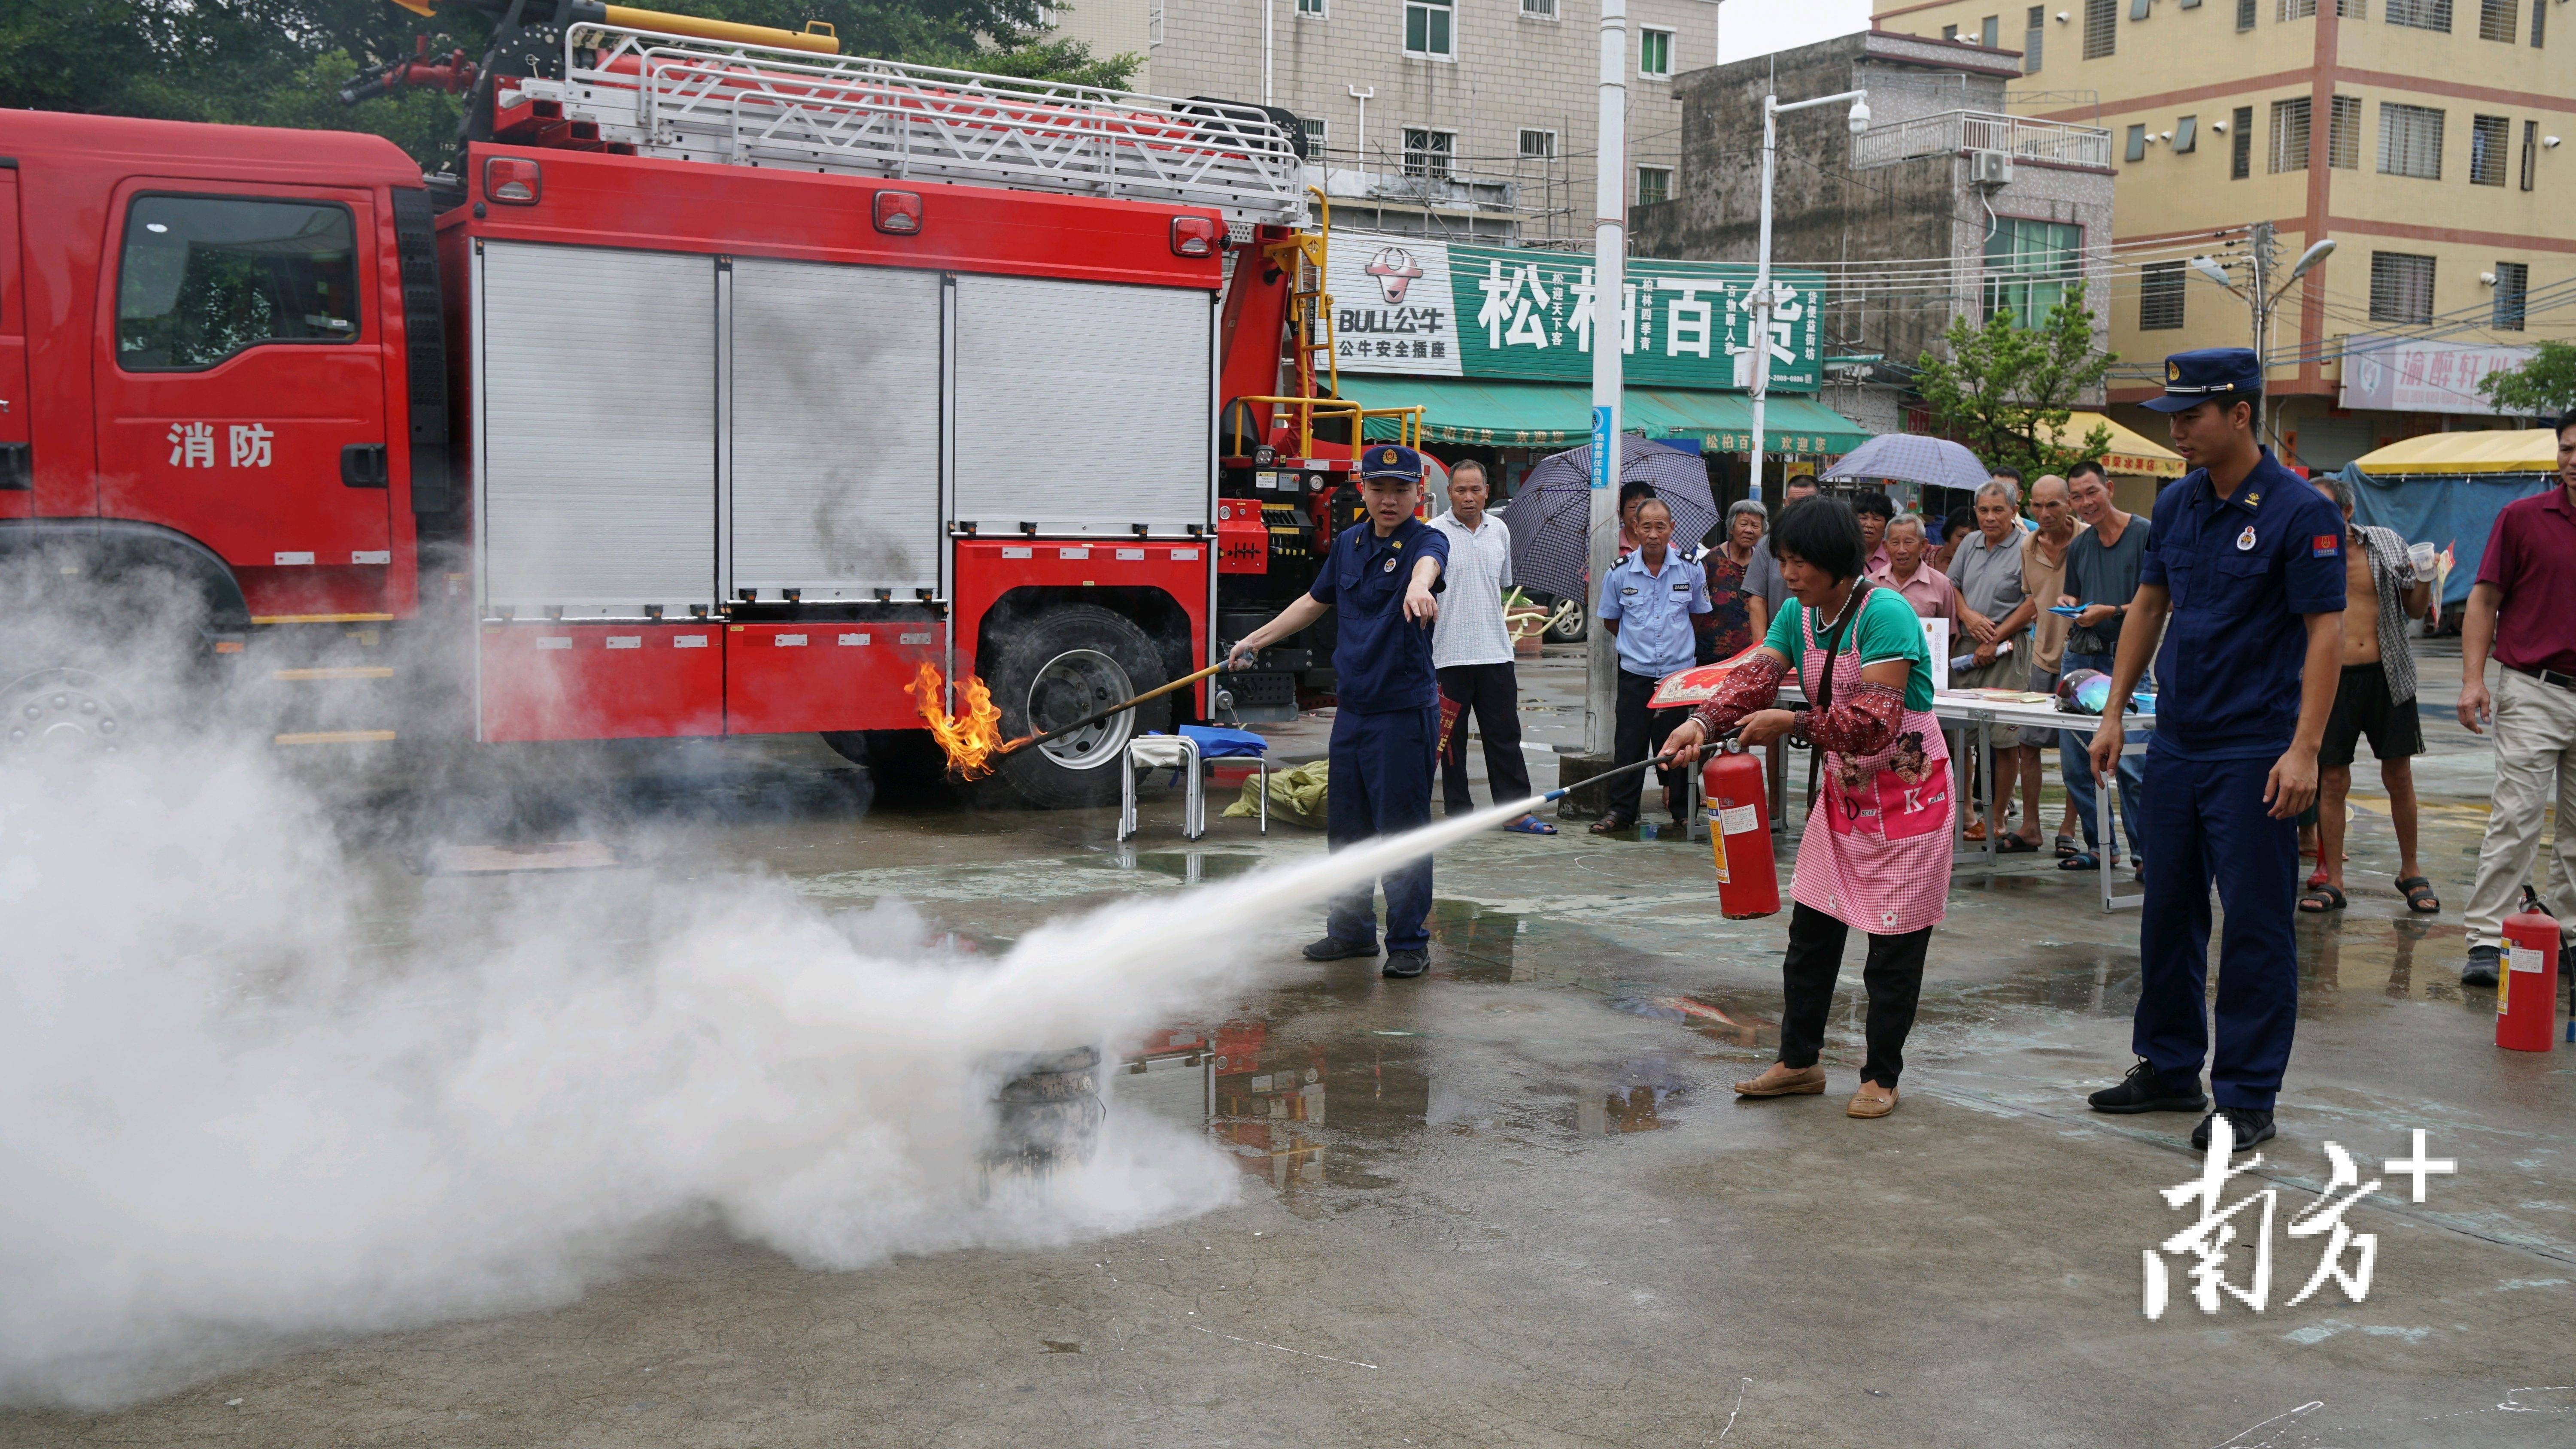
(1944, 206)
(1467, 119)
(2421, 136)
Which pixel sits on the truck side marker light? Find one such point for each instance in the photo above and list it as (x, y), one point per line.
(898, 213)
(1194, 236)
(512, 180)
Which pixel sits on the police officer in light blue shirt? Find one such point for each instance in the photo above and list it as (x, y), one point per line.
(1647, 600)
(1378, 578)
(2247, 560)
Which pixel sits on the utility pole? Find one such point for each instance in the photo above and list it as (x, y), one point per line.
(1609, 328)
(2259, 261)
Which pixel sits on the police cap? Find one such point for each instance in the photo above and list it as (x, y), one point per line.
(1382, 460)
(2212, 374)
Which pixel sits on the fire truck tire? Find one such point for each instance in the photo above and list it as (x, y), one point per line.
(1054, 666)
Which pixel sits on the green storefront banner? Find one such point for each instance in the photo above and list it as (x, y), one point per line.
(1422, 308)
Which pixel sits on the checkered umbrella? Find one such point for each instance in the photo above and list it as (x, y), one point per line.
(1911, 459)
(1551, 516)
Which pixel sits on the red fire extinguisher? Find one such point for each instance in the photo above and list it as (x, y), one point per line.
(2527, 988)
(1739, 833)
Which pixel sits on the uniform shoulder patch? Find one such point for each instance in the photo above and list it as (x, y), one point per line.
(2324, 545)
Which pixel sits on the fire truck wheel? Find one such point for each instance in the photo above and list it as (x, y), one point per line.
(62, 711)
(1056, 666)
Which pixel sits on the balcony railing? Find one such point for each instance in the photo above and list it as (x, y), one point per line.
(1948, 133)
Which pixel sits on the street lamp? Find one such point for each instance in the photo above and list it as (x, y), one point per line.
(1763, 300)
(2265, 299)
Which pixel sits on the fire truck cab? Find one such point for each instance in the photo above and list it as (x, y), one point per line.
(723, 390)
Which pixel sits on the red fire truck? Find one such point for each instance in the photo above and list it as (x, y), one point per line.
(728, 382)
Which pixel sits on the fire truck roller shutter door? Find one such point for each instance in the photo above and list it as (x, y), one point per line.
(597, 430)
(835, 430)
(1084, 407)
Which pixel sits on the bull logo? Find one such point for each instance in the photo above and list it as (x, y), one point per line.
(1395, 270)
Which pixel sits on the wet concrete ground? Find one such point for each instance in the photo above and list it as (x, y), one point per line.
(1515, 1203)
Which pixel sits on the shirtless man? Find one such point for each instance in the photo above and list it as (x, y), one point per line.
(2376, 697)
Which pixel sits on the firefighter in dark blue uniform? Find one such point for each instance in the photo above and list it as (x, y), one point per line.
(1379, 577)
(2247, 560)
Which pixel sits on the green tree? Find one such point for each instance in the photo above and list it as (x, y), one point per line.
(2006, 391)
(2544, 387)
(279, 62)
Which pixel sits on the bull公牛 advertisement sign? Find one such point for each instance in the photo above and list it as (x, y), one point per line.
(1427, 308)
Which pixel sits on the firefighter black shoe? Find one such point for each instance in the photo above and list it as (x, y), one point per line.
(2249, 1126)
(2144, 1090)
(2481, 970)
(1404, 965)
(1333, 948)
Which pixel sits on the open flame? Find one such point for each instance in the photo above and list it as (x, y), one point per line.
(970, 738)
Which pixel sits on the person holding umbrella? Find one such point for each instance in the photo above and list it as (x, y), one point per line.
(1877, 856)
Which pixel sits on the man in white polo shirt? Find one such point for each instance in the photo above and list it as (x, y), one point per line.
(1473, 651)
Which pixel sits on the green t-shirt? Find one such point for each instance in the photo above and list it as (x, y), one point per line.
(1889, 629)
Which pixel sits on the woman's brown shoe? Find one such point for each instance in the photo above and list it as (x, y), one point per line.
(1865, 1104)
(1779, 1081)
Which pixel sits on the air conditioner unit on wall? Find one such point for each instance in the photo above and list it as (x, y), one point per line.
(1990, 168)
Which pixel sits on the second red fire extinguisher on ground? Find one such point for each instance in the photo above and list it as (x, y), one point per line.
(2527, 989)
(1739, 832)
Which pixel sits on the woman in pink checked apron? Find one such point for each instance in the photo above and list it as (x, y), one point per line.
(1877, 855)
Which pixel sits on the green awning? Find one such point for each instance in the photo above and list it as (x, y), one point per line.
(1559, 415)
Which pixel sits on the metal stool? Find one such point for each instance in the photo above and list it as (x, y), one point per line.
(1163, 752)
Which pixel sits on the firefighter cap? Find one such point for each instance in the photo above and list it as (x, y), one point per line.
(1384, 460)
(2212, 374)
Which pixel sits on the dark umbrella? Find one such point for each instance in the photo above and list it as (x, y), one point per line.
(1551, 517)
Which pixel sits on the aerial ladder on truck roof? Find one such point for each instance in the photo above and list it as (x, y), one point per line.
(684, 88)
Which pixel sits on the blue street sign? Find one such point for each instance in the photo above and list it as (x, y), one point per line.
(1601, 449)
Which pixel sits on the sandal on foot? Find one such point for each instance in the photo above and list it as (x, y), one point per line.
(2419, 895)
(1613, 824)
(1530, 825)
(2066, 846)
(2320, 899)
(2081, 860)
(2015, 845)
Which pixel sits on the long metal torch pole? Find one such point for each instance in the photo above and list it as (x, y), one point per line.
(1609, 328)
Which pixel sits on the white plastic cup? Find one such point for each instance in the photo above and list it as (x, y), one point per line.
(2421, 556)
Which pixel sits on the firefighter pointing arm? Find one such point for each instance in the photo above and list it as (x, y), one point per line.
(1380, 580)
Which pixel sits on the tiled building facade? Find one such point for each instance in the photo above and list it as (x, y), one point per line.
(2423, 136)
(1466, 118)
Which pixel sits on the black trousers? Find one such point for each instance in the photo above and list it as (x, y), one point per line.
(1641, 732)
(1493, 693)
(1894, 977)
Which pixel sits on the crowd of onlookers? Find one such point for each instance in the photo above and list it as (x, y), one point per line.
(2034, 580)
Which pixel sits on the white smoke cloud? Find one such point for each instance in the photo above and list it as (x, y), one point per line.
(259, 1095)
